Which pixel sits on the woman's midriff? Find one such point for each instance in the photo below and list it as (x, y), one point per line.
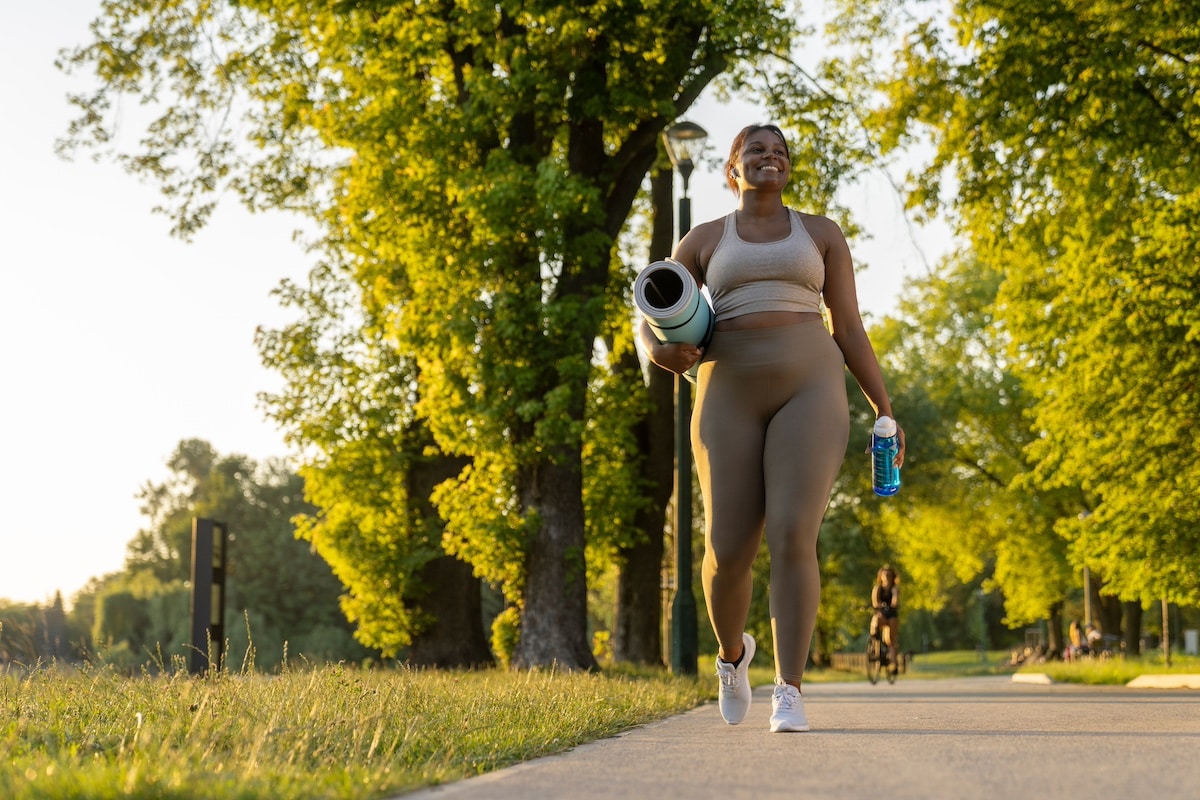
(766, 319)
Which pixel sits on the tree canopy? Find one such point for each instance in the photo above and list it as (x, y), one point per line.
(460, 381)
(1065, 140)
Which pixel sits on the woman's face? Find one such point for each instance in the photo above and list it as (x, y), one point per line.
(764, 162)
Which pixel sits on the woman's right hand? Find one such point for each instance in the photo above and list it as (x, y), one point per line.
(676, 357)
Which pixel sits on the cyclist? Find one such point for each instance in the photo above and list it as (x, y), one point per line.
(885, 600)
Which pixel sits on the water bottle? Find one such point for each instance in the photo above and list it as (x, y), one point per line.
(885, 444)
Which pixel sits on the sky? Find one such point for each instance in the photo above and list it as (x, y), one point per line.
(118, 341)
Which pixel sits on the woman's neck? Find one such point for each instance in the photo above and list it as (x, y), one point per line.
(757, 207)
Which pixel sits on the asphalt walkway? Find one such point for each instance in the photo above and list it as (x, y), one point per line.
(924, 739)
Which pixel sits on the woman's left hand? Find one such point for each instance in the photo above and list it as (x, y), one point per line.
(899, 459)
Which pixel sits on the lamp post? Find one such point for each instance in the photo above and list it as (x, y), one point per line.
(684, 142)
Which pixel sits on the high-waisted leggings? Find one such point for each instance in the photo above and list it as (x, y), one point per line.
(769, 433)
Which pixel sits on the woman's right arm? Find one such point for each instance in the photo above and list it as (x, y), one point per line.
(675, 356)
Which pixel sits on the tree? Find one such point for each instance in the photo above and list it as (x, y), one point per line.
(637, 626)
(30, 634)
(1064, 136)
(976, 504)
(370, 469)
(275, 584)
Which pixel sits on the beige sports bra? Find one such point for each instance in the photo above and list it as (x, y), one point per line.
(747, 277)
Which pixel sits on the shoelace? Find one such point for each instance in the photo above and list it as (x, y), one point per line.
(785, 700)
(729, 679)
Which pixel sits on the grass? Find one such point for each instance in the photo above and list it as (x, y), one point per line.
(339, 732)
(328, 732)
(1114, 671)
(958, 664)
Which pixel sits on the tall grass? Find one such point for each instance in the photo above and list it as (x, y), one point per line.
(328, 732)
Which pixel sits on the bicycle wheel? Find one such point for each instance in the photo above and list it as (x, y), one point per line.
(873, 665)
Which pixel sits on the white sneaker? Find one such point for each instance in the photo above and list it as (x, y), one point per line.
(787, 710)
(734, 693)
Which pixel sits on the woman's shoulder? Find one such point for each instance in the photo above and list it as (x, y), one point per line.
(819, 223)
(825, 233)
(702, 241)
(710, 228)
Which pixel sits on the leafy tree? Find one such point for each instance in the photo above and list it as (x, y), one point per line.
(276, 586)
(30, 633)
(977, 514)
(20, 639)
(371, 468)
(1064, 135)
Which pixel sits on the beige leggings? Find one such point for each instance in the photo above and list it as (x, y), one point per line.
(769, 433)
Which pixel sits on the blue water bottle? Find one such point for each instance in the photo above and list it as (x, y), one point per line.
(885, 444)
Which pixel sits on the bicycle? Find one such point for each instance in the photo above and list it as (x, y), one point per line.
(877, 657)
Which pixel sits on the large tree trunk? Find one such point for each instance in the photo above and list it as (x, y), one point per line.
(451, 592)
(638, 635)
(455, 639)
(1106, 608)
(554, 619)
(1132, 633)
(1055, 645)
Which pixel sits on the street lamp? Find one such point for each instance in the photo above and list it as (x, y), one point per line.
(683, 141)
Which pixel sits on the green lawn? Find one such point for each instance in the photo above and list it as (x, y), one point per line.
(1114, 671)
(338, 732)
(329, 732)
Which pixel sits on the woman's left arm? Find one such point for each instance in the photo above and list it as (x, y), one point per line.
(846, 325)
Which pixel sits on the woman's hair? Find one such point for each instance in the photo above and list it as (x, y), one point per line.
(739, 141)
(886, 569)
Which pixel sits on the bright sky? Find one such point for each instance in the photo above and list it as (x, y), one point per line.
(117, 341)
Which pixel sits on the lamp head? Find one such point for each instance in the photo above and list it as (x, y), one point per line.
(685, 140)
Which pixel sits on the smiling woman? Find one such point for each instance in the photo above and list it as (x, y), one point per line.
(771, 423)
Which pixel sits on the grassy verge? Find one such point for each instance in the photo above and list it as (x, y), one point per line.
(336, 732)
(1114, 671)
(959, 664)
(323, 733)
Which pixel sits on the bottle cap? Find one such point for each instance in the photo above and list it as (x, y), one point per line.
(885, 426)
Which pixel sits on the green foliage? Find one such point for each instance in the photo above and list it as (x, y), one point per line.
(1063, 137)
(506, 628)
(273, 582)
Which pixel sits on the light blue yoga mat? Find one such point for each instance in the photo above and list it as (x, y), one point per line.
(677, 311)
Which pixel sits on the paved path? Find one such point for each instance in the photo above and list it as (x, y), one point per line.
(963, 738)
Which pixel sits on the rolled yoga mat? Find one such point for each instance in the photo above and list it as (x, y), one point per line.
(677, 311)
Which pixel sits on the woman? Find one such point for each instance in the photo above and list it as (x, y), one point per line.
(885, 599)
(771, 422)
